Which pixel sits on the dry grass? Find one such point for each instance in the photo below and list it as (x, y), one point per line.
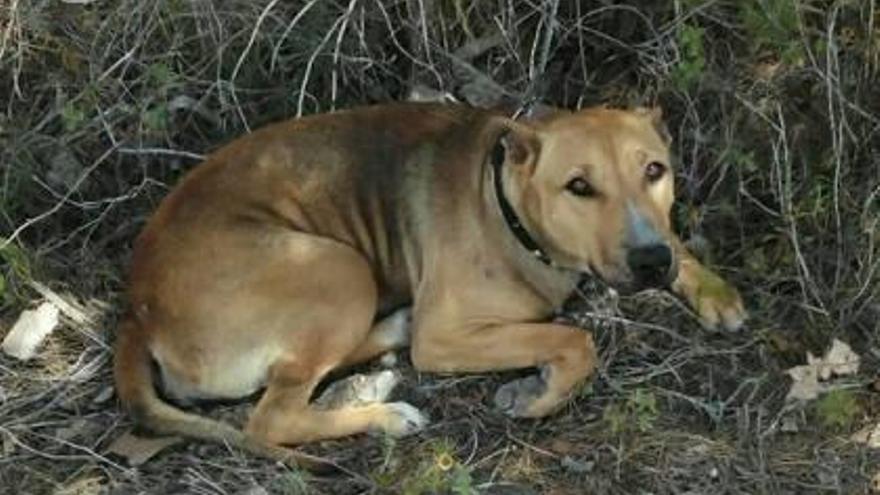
(776, 120)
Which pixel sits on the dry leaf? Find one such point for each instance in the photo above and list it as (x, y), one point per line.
(104, 395)
(869, 436)
(421, 93)
(32, 327)
(138, 450)
(64, 169)
(7, 448)
(805, 384)
(840, 360)
(76, 428)
(90, 485)
(67, 305)
(789, 425)
(766, 70)
(188, 103)
(563, 446)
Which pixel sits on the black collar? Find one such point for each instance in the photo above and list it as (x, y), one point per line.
(510, 217)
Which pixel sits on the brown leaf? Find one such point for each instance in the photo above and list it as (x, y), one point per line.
(869, 436)
(562, 446)
(138, 450)
(840, 360)
(89, 485)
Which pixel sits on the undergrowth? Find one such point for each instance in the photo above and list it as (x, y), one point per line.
(773, 105)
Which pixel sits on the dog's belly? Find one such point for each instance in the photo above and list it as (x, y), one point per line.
(227, 375)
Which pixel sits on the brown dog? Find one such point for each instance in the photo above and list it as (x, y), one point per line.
(268, 265)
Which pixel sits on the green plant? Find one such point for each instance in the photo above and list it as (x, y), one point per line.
(772, 25)
(616, 417)
(15, 266)
(155, 118)
(293, 482)
(160, 75)
(585, 390)
(72, 116)
(744, 159)
(838, 409)
(439, 472)
(692, 63)
(385, 475)
(639, 410)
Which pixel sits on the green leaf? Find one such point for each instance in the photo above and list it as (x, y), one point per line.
(462, 483)
(72, 116)
(160, 75)
(156, 118)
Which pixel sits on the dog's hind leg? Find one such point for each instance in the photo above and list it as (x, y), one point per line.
(284, 415)
(327, 299)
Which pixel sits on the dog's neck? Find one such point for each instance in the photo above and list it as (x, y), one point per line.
(519, 231)
(554, 282)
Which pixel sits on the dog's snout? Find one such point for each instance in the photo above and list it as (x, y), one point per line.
(648, 255)
(650, 264)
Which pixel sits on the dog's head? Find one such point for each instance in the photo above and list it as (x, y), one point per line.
(595, 188)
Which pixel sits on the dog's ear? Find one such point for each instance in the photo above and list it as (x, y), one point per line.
(655, 115)
(514, 144)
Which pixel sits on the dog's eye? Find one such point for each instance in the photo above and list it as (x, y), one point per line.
(654, 171)
(580, 187)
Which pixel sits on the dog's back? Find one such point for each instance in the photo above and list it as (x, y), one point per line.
(336, 175)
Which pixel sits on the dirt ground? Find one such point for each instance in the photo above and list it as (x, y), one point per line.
(774, 106)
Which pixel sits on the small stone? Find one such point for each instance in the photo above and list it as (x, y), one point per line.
(789, 425)
(388, 360)
(576, 466)
(32, 327)
(104, 395)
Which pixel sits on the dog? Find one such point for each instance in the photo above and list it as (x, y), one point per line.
(323, 242)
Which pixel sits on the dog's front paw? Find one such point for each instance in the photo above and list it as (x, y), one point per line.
(717, 303)
(518, 398)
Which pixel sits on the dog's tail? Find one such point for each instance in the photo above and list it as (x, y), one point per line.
(132, 369)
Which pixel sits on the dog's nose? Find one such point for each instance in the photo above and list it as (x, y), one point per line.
(650, 264)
